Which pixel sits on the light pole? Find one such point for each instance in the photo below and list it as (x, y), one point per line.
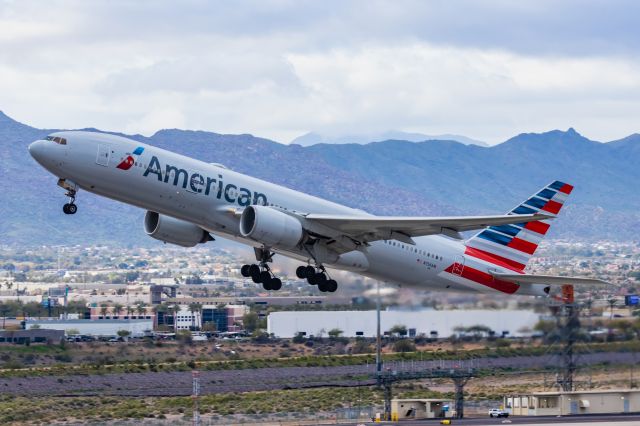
(378, 339)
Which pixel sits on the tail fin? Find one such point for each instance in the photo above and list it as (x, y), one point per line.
(511, 246)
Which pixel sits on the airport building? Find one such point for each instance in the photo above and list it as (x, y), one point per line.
(576, 402)
(402, 409)
(430, 323)
(137, 328)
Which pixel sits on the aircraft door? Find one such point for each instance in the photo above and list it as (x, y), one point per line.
(458, 265)
(103, 156)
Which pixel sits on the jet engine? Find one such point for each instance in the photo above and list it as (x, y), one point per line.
(174, 231)
(270, 227)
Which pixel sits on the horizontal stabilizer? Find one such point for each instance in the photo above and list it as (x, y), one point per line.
(547, 279)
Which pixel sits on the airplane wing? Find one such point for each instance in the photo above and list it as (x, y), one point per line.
(364, 229)
(547, 279)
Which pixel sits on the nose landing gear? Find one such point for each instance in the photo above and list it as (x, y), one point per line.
(70, 207)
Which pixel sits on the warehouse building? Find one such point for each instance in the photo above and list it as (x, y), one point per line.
(430, 323)
(35, 336)
(577, 402)
(137, 328)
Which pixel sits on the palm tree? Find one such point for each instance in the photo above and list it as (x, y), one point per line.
(130, 310)
(193, 309)
(141, 308)
(104, 308)
(117, 308)
(177, 307)
(156, 310)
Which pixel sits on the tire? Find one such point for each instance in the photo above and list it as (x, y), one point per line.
(72, 208)
(310, 271)
(245, 271)
(276, 284)
(332, 286)
(321, 278)
(254, 271)
(265, 277)
(311, 279)
(323, 287)
(267, 285)
(301, 272)
(65, 209)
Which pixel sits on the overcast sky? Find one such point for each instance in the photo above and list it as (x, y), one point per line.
(278, 69)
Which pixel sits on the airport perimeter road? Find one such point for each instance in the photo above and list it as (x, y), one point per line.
(177, 383)
(591, 420)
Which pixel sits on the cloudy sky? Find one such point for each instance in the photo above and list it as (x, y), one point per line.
(278, 69)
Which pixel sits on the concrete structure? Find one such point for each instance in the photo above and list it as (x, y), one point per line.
(431, 323)
(421, 409)
(577, 402)
(36, 336)
(94, 328)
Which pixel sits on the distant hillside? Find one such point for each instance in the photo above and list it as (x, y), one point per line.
(314, 138)
(391, 178)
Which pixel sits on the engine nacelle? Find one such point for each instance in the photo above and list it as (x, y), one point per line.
(174, 231)
(270, 227)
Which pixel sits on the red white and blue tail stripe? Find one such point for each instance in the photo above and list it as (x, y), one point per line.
(511, 246)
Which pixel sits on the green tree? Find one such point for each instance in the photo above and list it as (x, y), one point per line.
(404, 345)
(250, 321)
(194, 308)
(334, 333)
(124, 333)
(104, 309)
(399, 330)
(141, 309)
(117, 309)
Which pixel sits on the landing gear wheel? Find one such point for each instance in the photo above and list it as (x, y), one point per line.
(276, 284)
(312, 278)
(72, 208)
(65, 209)
(265, 277)
(323, 286)
(267, 285)
(310, 271)
(245, 271)
(254, 272)
(301, 272)
(331, 285)
(321, 277)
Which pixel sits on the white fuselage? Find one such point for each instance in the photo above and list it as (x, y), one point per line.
(210, 196)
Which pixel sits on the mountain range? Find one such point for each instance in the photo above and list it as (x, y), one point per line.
(314, 138)
(392, 177)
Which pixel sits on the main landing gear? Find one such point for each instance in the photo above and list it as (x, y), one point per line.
(261, 273)
(317, 277)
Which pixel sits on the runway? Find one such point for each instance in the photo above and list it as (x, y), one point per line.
(591, 420)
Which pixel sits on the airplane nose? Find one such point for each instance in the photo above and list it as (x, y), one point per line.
(38, 150)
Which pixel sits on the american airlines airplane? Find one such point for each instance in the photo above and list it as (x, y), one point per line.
(187, 200)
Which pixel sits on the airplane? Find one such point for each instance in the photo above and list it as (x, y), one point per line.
(188, 201)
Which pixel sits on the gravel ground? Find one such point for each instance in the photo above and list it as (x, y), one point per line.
(211, 382)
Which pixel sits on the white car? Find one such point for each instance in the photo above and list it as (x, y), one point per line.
(498, 412)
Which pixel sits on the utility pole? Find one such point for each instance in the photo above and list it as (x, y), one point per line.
(196, 396)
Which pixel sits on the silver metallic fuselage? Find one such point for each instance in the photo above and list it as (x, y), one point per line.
(90, 160)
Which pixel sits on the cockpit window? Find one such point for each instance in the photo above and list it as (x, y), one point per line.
(57, 139)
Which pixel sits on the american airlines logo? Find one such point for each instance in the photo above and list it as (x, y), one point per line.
(200, 184)
(128, 162)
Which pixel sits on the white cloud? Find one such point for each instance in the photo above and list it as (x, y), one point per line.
(279, 69)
